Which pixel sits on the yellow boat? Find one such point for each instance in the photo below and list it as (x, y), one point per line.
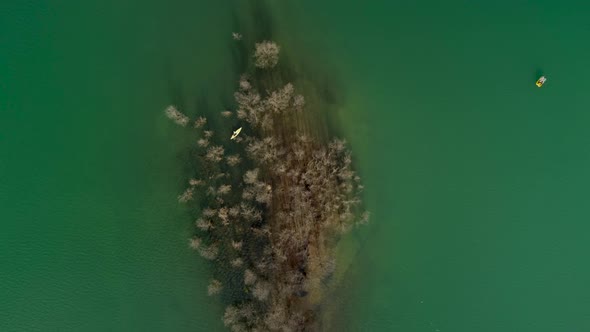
(541, 81)
(236, 133)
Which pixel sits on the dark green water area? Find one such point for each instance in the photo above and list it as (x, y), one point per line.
(478, 181)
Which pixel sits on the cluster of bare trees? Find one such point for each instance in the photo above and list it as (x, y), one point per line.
(270, 206)
(260, 112)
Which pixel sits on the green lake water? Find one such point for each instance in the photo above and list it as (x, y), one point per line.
(476, 179)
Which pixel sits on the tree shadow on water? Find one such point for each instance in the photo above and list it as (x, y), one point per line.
(175, 89)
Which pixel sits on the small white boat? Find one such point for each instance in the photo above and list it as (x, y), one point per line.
(541, 81)
(236, 133)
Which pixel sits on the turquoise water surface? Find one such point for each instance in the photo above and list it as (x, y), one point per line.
(476, 179)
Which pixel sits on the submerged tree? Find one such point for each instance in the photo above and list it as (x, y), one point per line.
(215, 286)
(272, 208)
(266, 54)
(175, 115)
(236, 36)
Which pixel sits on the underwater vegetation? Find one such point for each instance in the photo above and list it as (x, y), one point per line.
(271, 203)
